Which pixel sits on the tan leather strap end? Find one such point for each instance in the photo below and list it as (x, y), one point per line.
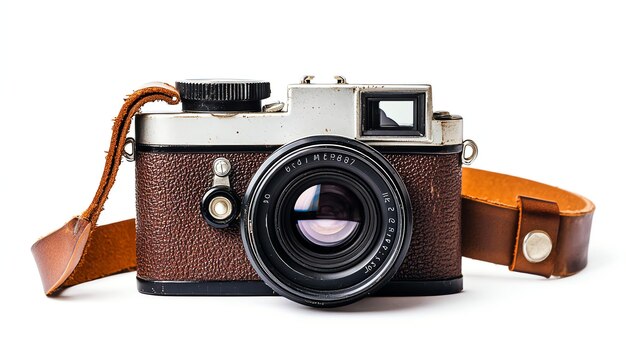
(528, 226)
(58, 253)
(79, 251)
(75, 254)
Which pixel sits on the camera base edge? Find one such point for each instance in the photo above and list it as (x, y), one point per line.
(258, 288)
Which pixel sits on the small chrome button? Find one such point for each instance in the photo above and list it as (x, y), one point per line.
(537, 246)
(221, 167)
(220, 207)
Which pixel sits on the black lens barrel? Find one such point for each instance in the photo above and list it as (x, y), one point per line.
(326, 276)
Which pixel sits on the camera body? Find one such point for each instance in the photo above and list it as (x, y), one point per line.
(342, 192)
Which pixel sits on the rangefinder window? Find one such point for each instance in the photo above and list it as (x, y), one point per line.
(393, 114)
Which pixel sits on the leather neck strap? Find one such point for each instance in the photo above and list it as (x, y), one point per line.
(505, 220)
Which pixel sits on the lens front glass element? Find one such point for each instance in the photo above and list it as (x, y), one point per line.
(327, 214)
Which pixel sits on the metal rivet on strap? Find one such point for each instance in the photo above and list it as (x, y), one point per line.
(537, 246)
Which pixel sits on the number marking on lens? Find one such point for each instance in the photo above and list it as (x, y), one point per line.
(320, 157)
(390, 233)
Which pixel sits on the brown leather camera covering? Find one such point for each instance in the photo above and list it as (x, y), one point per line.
(173, 240)
(434, 185)
(175, 243)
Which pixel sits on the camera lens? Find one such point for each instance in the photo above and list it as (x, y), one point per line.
(327, 214)
(326, 221)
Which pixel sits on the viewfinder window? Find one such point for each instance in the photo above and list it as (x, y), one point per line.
(396, 113)
(393, 114)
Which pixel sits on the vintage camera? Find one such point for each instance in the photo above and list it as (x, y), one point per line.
(343, 191)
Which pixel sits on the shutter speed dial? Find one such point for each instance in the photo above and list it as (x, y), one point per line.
(223, 95)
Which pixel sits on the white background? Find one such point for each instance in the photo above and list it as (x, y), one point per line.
(540, 85)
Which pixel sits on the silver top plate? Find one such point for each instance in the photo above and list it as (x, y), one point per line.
(311, 109)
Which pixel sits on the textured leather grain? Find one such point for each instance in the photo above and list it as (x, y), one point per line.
(434, 185)
(175, 243)
(173, 240)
